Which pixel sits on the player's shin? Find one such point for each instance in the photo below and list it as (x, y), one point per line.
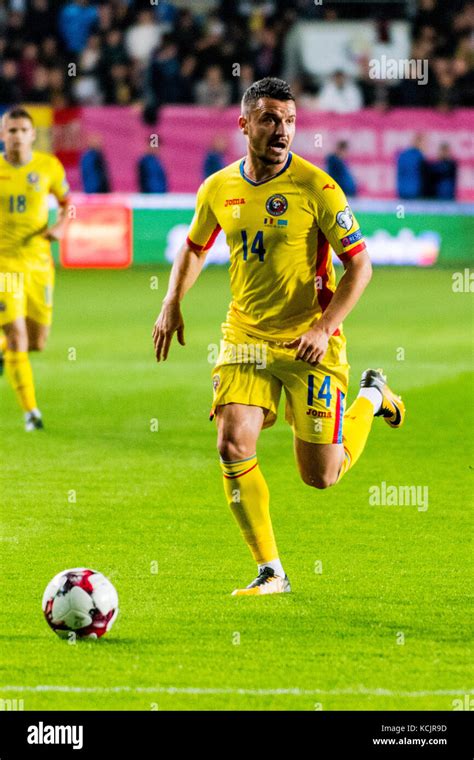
(249, 500)
(356, 428)
(20, 375)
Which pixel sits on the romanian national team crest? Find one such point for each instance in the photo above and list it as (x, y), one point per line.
(33, 179)
(215, 382)
(276, 205)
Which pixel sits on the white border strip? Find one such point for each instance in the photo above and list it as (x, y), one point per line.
(296, 692)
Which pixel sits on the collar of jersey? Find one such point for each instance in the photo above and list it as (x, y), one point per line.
(17, 166)
(262, 182)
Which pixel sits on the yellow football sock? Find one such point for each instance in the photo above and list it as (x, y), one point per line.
(249, 500)
(19, 372)
(3, 342)
(355, 431)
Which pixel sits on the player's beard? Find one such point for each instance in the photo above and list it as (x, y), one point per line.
(270, 160)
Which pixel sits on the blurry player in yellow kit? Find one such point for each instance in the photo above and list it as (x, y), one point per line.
(27, 177)
(281, 216)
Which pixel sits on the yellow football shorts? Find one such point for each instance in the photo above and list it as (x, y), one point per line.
(251, 371)
(26, 294)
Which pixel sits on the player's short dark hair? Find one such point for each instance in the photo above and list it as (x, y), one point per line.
(270, 87)
(17, 113)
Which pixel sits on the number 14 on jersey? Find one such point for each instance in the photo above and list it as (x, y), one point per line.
(256, 246)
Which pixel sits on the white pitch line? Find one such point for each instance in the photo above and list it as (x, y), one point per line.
(296, 692)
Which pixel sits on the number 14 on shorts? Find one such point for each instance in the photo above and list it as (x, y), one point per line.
(324, 390)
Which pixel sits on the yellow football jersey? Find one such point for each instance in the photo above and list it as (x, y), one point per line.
(279, 232)
(24, 194)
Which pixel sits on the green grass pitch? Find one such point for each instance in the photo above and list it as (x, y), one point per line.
(383, 626)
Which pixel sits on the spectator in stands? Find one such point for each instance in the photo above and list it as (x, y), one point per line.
(412, 171)
(10, 91)
(15, 33)
(243, 82)
(267, 54)
(429, 13)
(151, 172)
(340, 95)
(188, 78)
(443, 174)
(213, 90)
(27, 65)
(85, 86)
(77, 20)
(39, 91)
(90, 56)
(59, 83)
(338, 169)
(166, 13)
(104, 23)
(164, 73)
(463, 67)
(49, 54)
(208, 47)
(143, 37)
(255, 12)
(446, 94)
(40, 20)
(214, 159)
(305, 91)
(114, 50)
(94, 172)
(186, 32)
(119, 87)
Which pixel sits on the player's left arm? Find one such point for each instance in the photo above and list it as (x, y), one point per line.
(60, 189)
(343, 233)
(356, 277)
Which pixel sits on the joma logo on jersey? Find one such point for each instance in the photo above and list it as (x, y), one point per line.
(319, 413)
(234, 201)
(276, 205)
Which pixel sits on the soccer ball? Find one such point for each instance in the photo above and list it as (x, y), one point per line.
(81, 601)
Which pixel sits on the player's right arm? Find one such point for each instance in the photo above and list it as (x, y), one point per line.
(184, 273)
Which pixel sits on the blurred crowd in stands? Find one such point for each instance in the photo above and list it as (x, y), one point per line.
(153, 53)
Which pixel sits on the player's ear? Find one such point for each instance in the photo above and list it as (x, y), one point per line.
(243, 124)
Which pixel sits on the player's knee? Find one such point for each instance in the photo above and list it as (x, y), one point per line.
(232, 450)
(37, 344)
(319, 480)
(17, 340)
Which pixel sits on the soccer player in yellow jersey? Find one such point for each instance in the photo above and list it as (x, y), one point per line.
(27, 177)
(281, 216)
